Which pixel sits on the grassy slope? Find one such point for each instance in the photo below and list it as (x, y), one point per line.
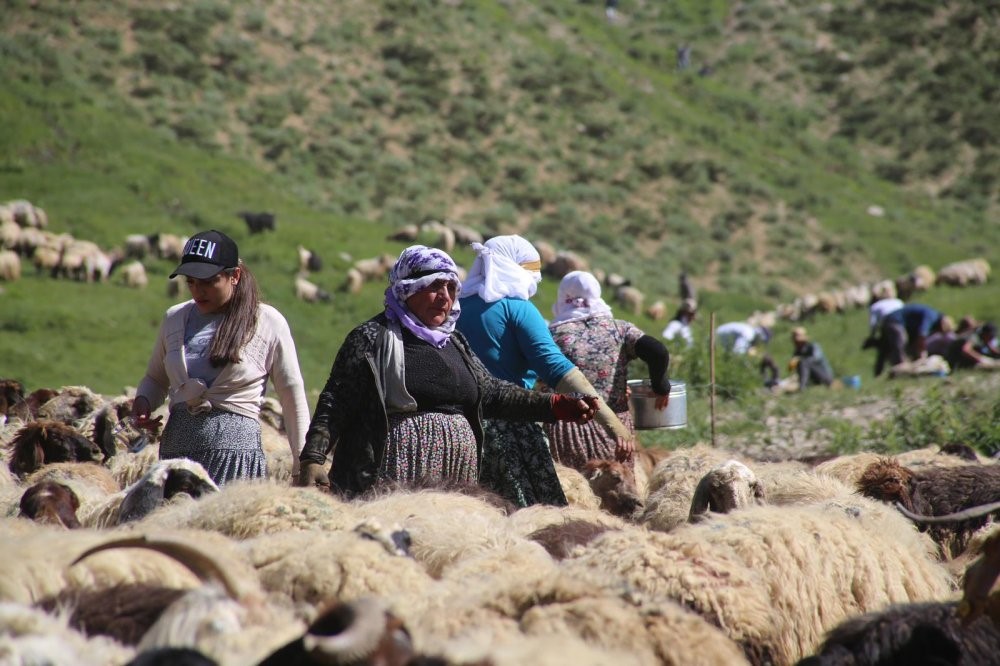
(101, 171)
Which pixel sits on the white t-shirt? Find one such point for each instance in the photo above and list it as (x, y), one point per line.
(736, 336)
(879, 309)
(678, 328)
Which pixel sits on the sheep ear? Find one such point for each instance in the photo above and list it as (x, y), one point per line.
(700, 502)
(140, 501)
(29, 457)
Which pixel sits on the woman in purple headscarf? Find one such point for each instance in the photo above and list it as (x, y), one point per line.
(406, 396)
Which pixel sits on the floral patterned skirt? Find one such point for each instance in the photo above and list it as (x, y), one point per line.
(430, 445)
(517, 464)
(573, 444)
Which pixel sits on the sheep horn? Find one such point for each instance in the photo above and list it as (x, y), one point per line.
(197, 561)
(347, 633)
(967, 514)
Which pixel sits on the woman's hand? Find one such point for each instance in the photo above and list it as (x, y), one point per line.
(313, 474)
(662, 401)
(624, 449)
(141, 415)
(574, 407)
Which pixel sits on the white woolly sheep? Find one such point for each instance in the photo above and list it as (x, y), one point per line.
(672, 485)
(31, 636)
(241, 510)
(10, 266)
(630, 298)
(309, 292)
(133, 274)
(576, 487)
(775, 579)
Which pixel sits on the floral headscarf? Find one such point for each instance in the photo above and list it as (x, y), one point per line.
(504, 266)
(417, 267)
(579, 298)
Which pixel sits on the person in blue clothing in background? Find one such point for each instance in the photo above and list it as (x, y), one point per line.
(508, 333)
(903, 334)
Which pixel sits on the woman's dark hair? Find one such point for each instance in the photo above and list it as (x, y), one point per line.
(239, 321)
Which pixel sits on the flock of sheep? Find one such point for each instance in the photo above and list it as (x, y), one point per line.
(114, 557)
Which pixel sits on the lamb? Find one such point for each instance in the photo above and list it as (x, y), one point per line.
(309, 292)
(47, 441)
(935, 492)
(630, 298)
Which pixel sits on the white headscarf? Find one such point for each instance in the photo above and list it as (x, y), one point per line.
(579, 298)
(504, 266)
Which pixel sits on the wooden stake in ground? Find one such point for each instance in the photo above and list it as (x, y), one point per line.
(711, 371)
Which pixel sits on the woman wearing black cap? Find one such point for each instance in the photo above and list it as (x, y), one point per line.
(213, 357)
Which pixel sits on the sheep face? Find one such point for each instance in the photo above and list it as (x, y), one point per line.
(726, 488)
(185, 481)
(614, 484)
(46, 441)
(887, 481)
(52, 503)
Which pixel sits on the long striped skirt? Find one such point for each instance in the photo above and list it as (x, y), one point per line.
(430, 445)
(517, 464)
(227, 445)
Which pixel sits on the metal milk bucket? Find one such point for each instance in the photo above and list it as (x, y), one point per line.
(646, 416)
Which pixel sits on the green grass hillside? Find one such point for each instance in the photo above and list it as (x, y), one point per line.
(350, 119)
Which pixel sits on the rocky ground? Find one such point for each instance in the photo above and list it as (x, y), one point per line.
(796, 430)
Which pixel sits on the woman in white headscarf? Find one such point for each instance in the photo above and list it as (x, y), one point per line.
(510, 336)
(601, 347)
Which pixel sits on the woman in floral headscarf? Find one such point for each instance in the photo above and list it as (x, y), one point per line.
(406, 396)
(601, 347)
(509, 334)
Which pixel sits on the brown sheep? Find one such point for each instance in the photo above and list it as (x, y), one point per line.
(47, 441)
(614, 483)
(52, 503)
(935, 492)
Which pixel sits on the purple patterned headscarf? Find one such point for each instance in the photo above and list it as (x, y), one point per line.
(418, 267)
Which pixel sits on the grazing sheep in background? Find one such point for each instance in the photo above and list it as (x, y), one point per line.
(46, 441)
(308, 260)
(133, 275)
(546, 252)
(614, 484)
(258, 222)
(407, 233)
(935, 492)
(563, 263)
(309, 292)
(962, 273)
(630, 298)
(10, 266)
(925, 633)
(466, 235)
(438, 235)
(50, 502)
(353, 281)
(657, 311)
(169, 247)
(137, 246)
(725, 488)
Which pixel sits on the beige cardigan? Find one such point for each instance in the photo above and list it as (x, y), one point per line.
(240, 387)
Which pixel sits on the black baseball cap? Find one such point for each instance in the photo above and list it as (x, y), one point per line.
(206, 253)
